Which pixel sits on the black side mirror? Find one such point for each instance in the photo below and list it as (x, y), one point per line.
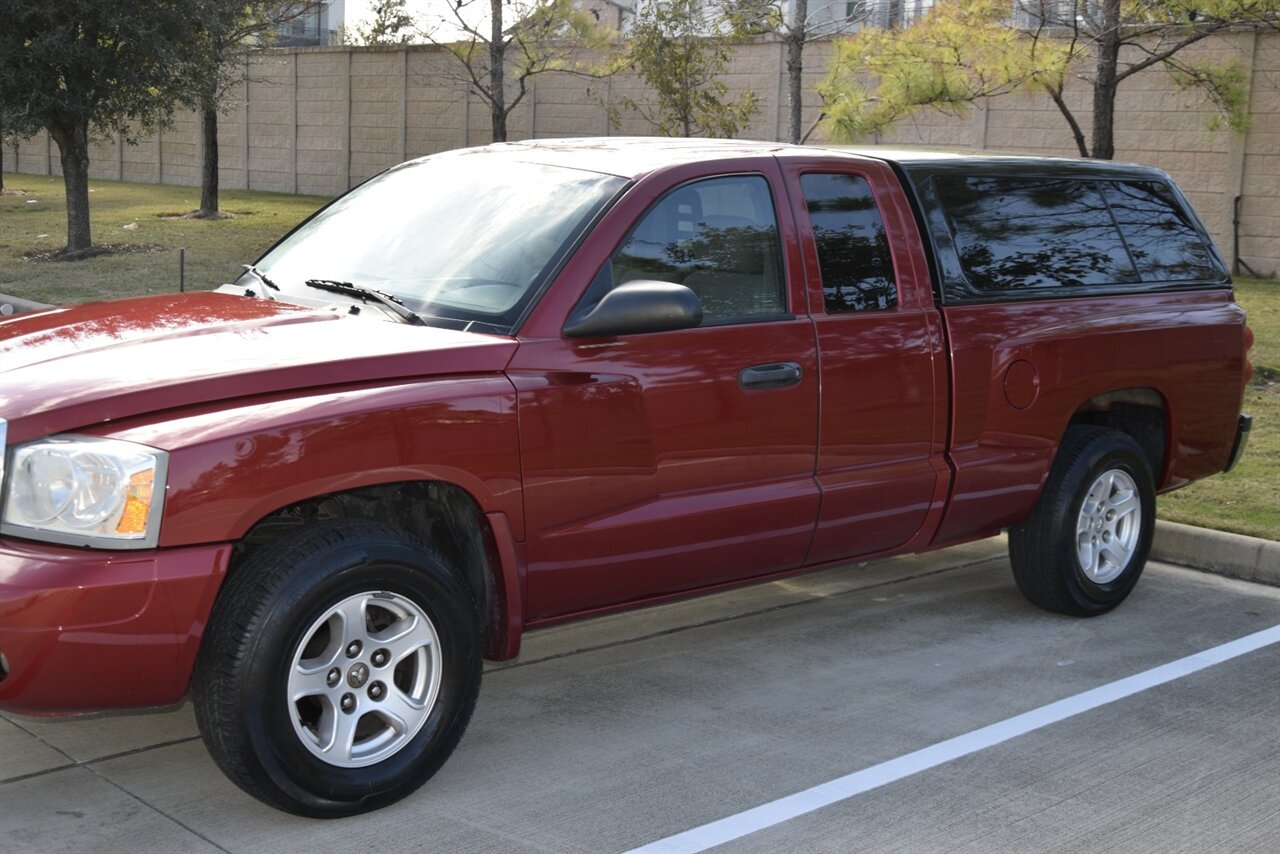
(637, 306)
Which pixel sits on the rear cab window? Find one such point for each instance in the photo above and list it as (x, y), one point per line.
(1014, 233)
(1019, 236)
(1161, 236)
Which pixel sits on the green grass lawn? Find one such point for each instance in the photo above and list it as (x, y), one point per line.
(36, 222)
(1246, 501)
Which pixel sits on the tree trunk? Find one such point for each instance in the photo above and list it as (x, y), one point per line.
(1076, 133)
(497, 73)
(209, 167)
(686, 97)
(1, 164)
(796, 38)
(73, 150)
(1104, 84)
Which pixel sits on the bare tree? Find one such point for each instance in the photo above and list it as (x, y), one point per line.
(1124, 37)
(502, 46)
(796, 23)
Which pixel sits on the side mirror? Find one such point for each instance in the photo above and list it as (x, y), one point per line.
(637, 306)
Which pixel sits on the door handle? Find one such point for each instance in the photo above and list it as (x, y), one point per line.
(773, 375)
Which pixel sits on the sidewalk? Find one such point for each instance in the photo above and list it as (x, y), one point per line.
(619, 731)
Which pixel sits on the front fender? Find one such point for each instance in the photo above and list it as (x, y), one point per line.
(230, 466)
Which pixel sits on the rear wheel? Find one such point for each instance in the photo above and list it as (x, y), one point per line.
(339, 669)
(1083, 547)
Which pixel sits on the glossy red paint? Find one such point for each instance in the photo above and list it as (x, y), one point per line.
(883, 403)
(1180, 345)
(85, 630)
(105, 361)
(232, 465)
(673, 476)
(605, 472)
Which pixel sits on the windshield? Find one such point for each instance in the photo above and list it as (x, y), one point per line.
(458, 240)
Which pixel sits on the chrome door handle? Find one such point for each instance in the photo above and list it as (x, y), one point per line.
(773, 375)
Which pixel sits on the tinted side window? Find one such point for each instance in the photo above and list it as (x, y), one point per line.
(1015, 233)
(1164, 243)
(853, 252)
(718, 237)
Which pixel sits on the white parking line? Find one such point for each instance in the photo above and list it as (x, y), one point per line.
(775, 812)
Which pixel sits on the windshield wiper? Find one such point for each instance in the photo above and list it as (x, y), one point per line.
(261, 277)
(365, 294)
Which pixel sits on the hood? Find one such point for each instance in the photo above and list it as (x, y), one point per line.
(67, 368)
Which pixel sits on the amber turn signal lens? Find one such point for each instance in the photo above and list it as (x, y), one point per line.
(137, 503)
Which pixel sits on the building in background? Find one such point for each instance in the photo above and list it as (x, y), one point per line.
(826, 17)
(318, 25)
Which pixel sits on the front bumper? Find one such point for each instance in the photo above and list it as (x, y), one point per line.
(1242, 438)
(86, 630)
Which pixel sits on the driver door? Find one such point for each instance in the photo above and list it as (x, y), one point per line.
(662, 462)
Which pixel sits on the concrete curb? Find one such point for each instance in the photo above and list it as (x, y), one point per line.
(1235, 555)
(19, 305)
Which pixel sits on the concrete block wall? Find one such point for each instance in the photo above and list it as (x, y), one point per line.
(272, 115)
(437, 105)
(321, 120)
(569, 105)
(1260, 171)
(324, 109)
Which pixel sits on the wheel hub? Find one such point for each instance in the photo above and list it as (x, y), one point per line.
(364, 679)
(1108, 527)
(358, 675)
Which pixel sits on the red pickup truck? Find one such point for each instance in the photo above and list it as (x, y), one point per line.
(499, 388)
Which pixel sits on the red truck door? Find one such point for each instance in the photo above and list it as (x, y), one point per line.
(883, 365)
(661, 462)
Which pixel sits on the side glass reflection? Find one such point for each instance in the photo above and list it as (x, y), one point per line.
(1164, 244)
(1014, 233)
(853, 251)
(717, 237)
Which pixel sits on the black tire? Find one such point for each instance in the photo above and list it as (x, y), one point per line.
(292, 603)
(1045, 551)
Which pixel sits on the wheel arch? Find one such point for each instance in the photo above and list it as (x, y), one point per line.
(438, 512)
(1140, 412)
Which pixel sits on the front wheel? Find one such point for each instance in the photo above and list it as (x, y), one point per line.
(1083, 547)
(339, 669)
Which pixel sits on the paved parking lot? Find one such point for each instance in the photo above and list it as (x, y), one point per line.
(621, 732)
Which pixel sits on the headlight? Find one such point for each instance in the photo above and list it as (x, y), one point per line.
(85, 491)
